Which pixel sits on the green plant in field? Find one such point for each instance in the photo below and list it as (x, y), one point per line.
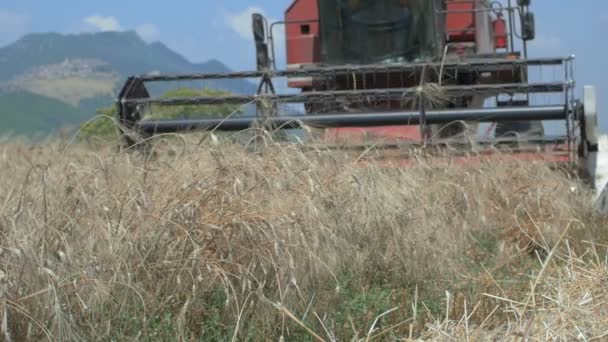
(104, 123)
(192, 111)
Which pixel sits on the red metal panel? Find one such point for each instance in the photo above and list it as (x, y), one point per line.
(359, 135)
(302, 37)
(302, 50)
(460, 20)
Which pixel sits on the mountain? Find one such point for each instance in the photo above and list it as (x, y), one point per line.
(29, 114)
(124, 53)
(85, 71)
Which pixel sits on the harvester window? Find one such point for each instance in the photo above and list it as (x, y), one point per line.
(376, 31)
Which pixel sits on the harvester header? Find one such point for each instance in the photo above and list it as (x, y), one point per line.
(396, 74)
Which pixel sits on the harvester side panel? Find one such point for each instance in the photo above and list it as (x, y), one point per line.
(460, 21)
(302, 38)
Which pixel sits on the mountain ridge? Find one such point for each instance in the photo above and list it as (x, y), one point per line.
(88, 69)
(125, 51)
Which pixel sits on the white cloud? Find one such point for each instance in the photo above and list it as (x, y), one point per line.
(240, 22)
(148, 32)
(12, 25)
(102, 23)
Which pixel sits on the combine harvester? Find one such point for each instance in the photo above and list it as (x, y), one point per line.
(451, 78)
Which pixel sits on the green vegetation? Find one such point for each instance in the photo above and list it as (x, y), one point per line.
(29, 114)
(192, 111)
(105, 123)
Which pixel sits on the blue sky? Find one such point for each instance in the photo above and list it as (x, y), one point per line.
(200, 30)
(205, 29)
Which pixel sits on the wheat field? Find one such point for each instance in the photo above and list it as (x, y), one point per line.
(207, 242)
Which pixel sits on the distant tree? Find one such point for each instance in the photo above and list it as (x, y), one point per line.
(193, 111)
(104, 125)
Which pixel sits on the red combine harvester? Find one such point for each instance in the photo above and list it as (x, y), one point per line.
(380, 32)
(430, 75)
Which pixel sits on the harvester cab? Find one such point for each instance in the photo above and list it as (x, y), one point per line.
(397, 74)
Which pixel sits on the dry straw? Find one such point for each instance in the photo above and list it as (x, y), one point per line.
(208, 241)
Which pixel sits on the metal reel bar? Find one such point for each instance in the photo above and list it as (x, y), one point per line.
(545, 113)
(356, 95)
(473, 65)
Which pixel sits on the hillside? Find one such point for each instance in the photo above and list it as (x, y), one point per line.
(82, 72)
(123, 53)
(29, 114)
